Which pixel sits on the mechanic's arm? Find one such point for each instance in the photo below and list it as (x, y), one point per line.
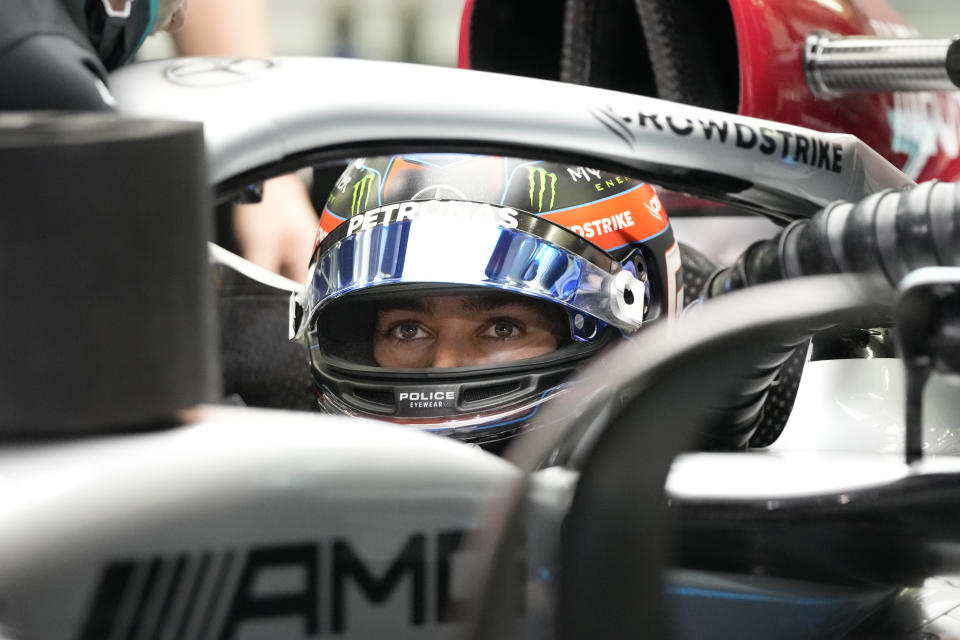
(225, 28)
(278, 232)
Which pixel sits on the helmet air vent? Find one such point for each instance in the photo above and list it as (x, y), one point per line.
(375, 396)
(481, 393)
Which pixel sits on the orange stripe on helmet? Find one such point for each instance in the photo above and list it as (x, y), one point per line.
(629, 217)
(328, 222)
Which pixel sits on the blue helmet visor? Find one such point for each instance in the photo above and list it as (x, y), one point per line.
(457, 243)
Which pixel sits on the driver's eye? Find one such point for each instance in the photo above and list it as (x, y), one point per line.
(407, 331)
(504, 329)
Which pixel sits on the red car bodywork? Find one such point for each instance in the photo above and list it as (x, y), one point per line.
(918, 132)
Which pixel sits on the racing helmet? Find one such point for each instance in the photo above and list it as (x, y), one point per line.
(589, 252)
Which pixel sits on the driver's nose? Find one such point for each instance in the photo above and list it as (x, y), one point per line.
(449, 352)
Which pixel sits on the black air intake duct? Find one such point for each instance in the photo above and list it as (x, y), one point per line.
(889, 233)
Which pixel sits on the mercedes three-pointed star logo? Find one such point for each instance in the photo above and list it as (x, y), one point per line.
(206, 72)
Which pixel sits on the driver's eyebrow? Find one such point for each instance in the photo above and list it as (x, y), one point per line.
(478, 304)
(472, 304)
(405, 304)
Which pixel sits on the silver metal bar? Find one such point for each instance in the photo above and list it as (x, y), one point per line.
(835, 66)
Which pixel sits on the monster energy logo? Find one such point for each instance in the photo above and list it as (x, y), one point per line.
(539, 179)
(361, 193)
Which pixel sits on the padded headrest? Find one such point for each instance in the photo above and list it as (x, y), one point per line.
(261, 367)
